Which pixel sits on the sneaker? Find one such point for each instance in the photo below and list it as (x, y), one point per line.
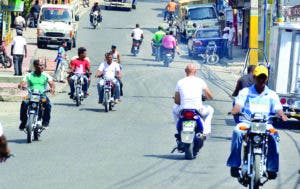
(100, 102)
(22, 126)
(71, 96)
(234, 172)
(271, 175)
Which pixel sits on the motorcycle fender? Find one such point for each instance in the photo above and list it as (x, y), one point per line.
(32, 112)
(187, 137)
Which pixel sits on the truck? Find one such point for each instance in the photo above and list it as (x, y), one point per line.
(124, 4)
(201, 12)
(284, 76)
(58, 23)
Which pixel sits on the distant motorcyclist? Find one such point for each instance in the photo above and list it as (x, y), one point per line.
(137, 35)
(170, 9)
(117, 58)
(188, 95)
(257, 98)
(36, 79)
(109, 70)
(157, 38)
(169, 42)
(95, 8)
(80, 65)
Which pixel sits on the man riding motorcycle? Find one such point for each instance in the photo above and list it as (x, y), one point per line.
(188, 95)
(257, 98)
(137, 35)
(95, 8)
(82, 66)
(109, 70)
(157, 38)
(36, 79)
(169, 42)
(170, 9)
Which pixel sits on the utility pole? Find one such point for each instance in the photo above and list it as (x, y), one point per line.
(253, 32)
(279, 11)
(235, 25)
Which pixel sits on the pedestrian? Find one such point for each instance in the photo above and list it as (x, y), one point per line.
(231, 39)
(35, 11)
(225, 36)
(60, 59)
(20, 21)
(18, 51)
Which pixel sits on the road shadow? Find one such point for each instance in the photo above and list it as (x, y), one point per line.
(287, 125)
(93, 109)
(115, 9)
(17, 141)
(151, 97)
(167, 156)
(220, 138)
(64, 104)
(31, 43)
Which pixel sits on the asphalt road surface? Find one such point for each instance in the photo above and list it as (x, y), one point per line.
(129, 147)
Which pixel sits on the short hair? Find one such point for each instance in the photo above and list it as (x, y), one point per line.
(171, 32)
(137, 25)
(36, 62)
(250, 69)
(113, 46)
(108, 54)
(81, 50)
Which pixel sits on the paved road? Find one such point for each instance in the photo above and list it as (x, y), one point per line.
(130, 146)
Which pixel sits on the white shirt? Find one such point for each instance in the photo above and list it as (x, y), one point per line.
(19, 43)
(190, 90)
(230, 35)
(109, 70)
(137, 33)
(19, 21)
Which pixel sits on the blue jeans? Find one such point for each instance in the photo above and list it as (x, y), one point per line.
(116, 89)
(24, 108)
(234, 159)
(84, 87)
(18, 60)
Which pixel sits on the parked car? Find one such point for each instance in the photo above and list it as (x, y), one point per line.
(200, 39)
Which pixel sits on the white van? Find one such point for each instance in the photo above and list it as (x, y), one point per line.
(57, 24)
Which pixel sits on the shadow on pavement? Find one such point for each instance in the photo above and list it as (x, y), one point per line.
(65, 104)
(220, 137)
(17, 141)
(166, 156)
(94, 109)
(287, 125)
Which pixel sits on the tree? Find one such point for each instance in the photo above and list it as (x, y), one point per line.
(27, 7)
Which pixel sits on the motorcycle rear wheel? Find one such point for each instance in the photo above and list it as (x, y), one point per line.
(7, 62)
(212, 59)
(29, 128)
(106, 101)
(36, 135)
(188, 150)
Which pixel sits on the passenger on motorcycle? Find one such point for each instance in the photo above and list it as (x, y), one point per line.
(188, 95)
(117, 58)
(137, 35)
(111, 71)
(36, 79)
(94, 8)
(169, 42)
(170, 9)
(257, 98)
(82, 66)
(157, 39)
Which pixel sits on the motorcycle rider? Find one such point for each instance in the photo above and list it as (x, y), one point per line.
(169, 42)
(157, 39)
(170, 9)
(117, 58)
(94, 8)
(36, 79)
(188, 95)
(243, 82)
(80, 65)
(109, 70)
(137, 35)
(257, 98)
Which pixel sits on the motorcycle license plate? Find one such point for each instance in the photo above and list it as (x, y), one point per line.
(135, 47)
(187, 137)
(257, 150)
(188, 126)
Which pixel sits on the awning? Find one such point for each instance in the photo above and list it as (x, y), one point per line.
(13, 5)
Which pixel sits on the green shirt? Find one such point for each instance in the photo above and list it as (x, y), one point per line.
(37, 81)
(158, 36)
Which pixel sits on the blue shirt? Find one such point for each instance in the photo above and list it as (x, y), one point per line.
(251, 101)
(60, 54)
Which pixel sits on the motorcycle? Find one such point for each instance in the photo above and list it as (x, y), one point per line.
(170, 18)
(157, 52)
(78, 95)
(210, 57)
(95, 19)
(135, 47)
(255, 147)
(168, 57)
(35, 113)
(190, 137)
(5, 60)
(108, 94)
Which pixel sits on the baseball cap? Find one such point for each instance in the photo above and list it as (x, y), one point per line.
(260, 70)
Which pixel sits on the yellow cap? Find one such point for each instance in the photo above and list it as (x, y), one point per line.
(260, 70)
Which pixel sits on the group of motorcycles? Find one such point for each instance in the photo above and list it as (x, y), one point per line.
(165, 55)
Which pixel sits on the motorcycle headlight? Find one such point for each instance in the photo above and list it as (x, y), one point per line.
(257, 139)
(34, 105)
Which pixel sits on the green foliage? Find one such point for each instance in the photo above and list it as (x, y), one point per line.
(27, 7)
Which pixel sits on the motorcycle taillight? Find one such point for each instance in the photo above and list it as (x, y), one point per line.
(136, 44)
(188, 114)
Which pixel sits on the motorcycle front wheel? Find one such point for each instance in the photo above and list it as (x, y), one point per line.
(106, 101)
(255, 179)
(29, 127)
(78, 101)
(8, 62)
(212, 59)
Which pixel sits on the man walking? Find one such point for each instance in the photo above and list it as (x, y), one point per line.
(18, 51)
